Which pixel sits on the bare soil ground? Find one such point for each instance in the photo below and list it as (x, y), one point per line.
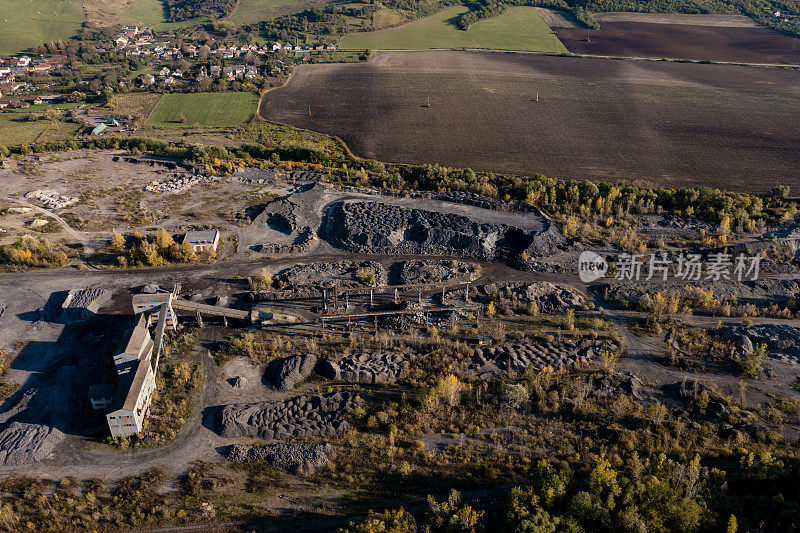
(670, 124)
(684, 41)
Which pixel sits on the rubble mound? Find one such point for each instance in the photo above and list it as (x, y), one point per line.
(22, 443)
(302, 416)
(51, 199)
(549, 297)
(178, 183)
(782, 340)
(385, 367)
(285, 373)
(411, 272)
(296, 459)
(518, 356)
(343, 274)
(378, 228)
(770, 290)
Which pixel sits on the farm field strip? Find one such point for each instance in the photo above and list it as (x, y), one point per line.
(721, 21)
(671, 124)
(203, 109)
(519, 28)
(742, 44)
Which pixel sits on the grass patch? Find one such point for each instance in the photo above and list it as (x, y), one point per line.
(204, 109)
(251, 11)
(24, 25)
(146, 12)
(15, 128)
(274, 135)
(519, 28)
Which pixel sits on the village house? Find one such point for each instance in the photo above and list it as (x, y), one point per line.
(202, 241)
(148, 79)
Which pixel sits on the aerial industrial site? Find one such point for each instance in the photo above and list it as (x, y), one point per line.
(411, 266)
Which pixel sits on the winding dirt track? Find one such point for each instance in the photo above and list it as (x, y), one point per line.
(671, 124)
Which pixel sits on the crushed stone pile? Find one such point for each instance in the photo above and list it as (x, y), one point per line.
(22, 443)
(51, 199)
(302, 416)
(760, 290)
(385, 367)
(343, 274)
(548, 296)
(284, 374)
(296, 459)
(378, 228)
(518, 356)
(178, 183)
(782, 340)
(419, 271)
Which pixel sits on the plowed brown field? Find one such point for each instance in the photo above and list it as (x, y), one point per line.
(667, 123)
(684, 41)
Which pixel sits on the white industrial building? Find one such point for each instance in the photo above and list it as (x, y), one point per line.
(131, 402)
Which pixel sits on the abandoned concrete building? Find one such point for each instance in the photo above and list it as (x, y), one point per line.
(202, 241)
(131, 401)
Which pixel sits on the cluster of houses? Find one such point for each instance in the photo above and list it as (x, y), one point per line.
(17, 103)
(134, 41)
(17, 67)
(170, 77)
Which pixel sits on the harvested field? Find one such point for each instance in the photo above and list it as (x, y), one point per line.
(671, 124)
(743, 44)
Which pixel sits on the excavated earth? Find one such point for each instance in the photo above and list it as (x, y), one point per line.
(519, 356)
(342, 274)
(296, 459)
(384, 367)
(380, 228)
(22, 443)
(302, 416)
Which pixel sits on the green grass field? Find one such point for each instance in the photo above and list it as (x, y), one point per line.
(519, 28)
(25, 24)
(203, 109)
(16, 129)
(147, 12)
(250, 11)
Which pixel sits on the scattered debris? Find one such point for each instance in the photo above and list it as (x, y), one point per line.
(296, 459)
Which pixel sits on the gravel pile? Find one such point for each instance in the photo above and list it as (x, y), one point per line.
(303, 416)
(378, 228)
(549, 297)
(342, 274)
(761, 290)
(782, 340)
(51, 199)
(22, 443)
(411, 272)
(179, 183)
(385, 367)
(518, 356)
(296, 459)
(303, 242)
(284, 374)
